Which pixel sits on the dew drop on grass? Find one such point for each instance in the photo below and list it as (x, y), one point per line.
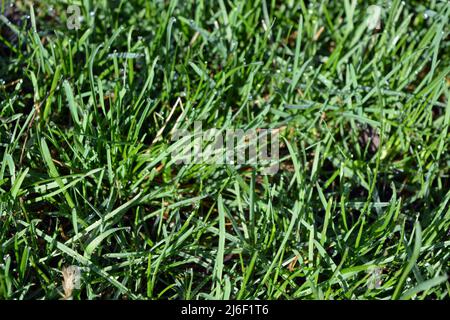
(429, 14)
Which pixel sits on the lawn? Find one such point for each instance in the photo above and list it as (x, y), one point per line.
(97, 202)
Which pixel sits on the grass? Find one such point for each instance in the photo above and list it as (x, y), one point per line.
(358, 210)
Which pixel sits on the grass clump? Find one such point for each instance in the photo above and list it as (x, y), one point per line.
(359, 208)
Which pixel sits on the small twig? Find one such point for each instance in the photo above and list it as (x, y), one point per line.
(159, 134)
